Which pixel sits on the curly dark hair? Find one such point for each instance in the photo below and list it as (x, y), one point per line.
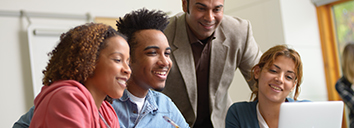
(141, 19)
(75, 57)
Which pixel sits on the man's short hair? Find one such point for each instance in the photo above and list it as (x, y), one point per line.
(141, 19)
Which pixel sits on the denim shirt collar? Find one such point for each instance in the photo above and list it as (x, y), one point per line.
(125, 96)
(149, 105)
(156, 106)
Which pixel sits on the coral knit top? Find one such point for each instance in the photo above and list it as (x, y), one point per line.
(68, 103)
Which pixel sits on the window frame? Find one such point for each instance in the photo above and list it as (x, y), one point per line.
(329, 47)
(330, 52)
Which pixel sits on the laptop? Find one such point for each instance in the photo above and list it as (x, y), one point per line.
(324, 114)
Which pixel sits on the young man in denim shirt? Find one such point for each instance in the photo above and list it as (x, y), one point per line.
(150, 64)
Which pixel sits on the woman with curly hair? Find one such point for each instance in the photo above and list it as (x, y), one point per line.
(87, 67)
(278, 73)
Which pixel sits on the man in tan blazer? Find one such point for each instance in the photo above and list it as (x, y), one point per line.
(207, 48)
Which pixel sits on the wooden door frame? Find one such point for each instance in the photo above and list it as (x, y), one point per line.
(330, 50)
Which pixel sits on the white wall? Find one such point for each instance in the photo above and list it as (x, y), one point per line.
(301, 31)
(265, 17)
(292, 22)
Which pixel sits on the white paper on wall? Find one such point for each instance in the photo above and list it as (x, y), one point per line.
(41, 40)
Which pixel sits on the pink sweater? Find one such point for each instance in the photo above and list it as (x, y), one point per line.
(68, 103)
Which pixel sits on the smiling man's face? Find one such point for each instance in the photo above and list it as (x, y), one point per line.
(151, 62)
(203, 16)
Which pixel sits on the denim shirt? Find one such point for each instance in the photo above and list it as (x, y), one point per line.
(25, 119)
(156, 106)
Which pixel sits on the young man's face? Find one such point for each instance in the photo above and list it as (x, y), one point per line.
(151, 63)
(203, 16)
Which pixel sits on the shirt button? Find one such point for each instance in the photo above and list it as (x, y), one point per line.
(134, 111)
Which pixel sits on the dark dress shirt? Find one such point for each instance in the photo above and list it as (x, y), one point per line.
(201, 53)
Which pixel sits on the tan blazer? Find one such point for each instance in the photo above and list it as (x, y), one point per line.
(234, 47)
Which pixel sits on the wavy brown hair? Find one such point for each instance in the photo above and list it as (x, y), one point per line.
(268, 58)
(76, 55)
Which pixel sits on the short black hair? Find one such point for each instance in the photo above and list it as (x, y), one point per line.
(138, 20)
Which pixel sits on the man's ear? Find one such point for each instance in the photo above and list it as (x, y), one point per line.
(257, 72)
(185, 5)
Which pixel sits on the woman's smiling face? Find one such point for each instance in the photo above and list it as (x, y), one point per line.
(112, 69)
(276, 80)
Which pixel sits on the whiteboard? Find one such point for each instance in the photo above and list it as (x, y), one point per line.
(41, 40)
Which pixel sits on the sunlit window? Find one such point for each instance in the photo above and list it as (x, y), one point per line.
(343, 15)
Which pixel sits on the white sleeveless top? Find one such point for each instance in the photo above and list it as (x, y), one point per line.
(261, 121)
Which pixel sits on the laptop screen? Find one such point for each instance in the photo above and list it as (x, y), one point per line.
(326, 114)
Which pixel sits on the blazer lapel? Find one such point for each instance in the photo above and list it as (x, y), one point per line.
(185, 61)
(219, 52)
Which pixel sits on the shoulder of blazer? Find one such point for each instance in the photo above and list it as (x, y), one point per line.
(170, 30)
(235, 28)
(234, 21)
(234, 24)
(176, 30)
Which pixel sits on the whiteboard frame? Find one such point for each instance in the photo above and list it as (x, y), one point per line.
(45, 31)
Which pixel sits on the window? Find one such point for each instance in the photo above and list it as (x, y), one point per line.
(336, 26)
(333, 34)
(343, 16)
